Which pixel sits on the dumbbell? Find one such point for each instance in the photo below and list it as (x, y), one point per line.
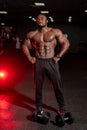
(61, 120)
(43, 119)
(68, 118)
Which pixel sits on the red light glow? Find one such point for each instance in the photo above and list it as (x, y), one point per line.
(6, 114)
(4, 104)
(3, 74)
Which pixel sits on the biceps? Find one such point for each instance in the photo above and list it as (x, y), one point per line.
(63, 39)
(27, 43)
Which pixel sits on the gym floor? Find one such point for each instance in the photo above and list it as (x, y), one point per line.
(17, 92)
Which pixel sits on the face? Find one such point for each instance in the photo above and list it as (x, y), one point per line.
(41, 20)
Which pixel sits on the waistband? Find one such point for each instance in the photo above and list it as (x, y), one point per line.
(44, 59)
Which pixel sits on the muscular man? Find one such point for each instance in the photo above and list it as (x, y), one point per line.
(45, 39)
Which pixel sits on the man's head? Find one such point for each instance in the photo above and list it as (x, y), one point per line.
(41, 20)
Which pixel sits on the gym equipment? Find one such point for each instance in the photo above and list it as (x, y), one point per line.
(68, 118)
(42, 117)
(61, 120)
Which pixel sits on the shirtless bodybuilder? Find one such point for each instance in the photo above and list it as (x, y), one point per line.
(45, 61)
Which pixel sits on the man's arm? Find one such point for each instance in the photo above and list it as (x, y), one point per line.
(25, 47)
(63, 41)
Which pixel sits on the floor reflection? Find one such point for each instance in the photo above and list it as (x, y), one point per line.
(7, 121)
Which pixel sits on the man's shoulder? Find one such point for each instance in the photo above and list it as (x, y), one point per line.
(31, 34)
(56, 29)
(53, 29)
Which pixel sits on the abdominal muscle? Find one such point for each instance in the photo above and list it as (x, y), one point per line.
(45, 50)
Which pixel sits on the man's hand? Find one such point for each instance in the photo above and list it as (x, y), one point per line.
(56, 59)
(32, 60)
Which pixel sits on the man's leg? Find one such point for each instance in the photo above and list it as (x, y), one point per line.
(39, 115)
(62, 116)
(54, 76)
(39, 79)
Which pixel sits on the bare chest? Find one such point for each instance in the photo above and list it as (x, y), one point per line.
(44, 37)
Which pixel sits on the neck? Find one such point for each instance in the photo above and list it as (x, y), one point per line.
(43, 29)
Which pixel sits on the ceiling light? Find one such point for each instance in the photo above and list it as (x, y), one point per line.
(3, 12)
(2, 24)
(30, 17)
(51, 19)
(34, 19)
(86, 11)
(66, 35)
(39, 4)
(70, 19)
(45, 12)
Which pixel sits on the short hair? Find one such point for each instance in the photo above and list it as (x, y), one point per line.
(43, 15)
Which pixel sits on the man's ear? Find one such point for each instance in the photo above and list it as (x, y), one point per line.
(47, 21)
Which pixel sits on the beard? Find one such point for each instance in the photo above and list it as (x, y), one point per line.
(41, 25)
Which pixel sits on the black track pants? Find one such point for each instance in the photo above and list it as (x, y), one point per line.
(47, 67)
